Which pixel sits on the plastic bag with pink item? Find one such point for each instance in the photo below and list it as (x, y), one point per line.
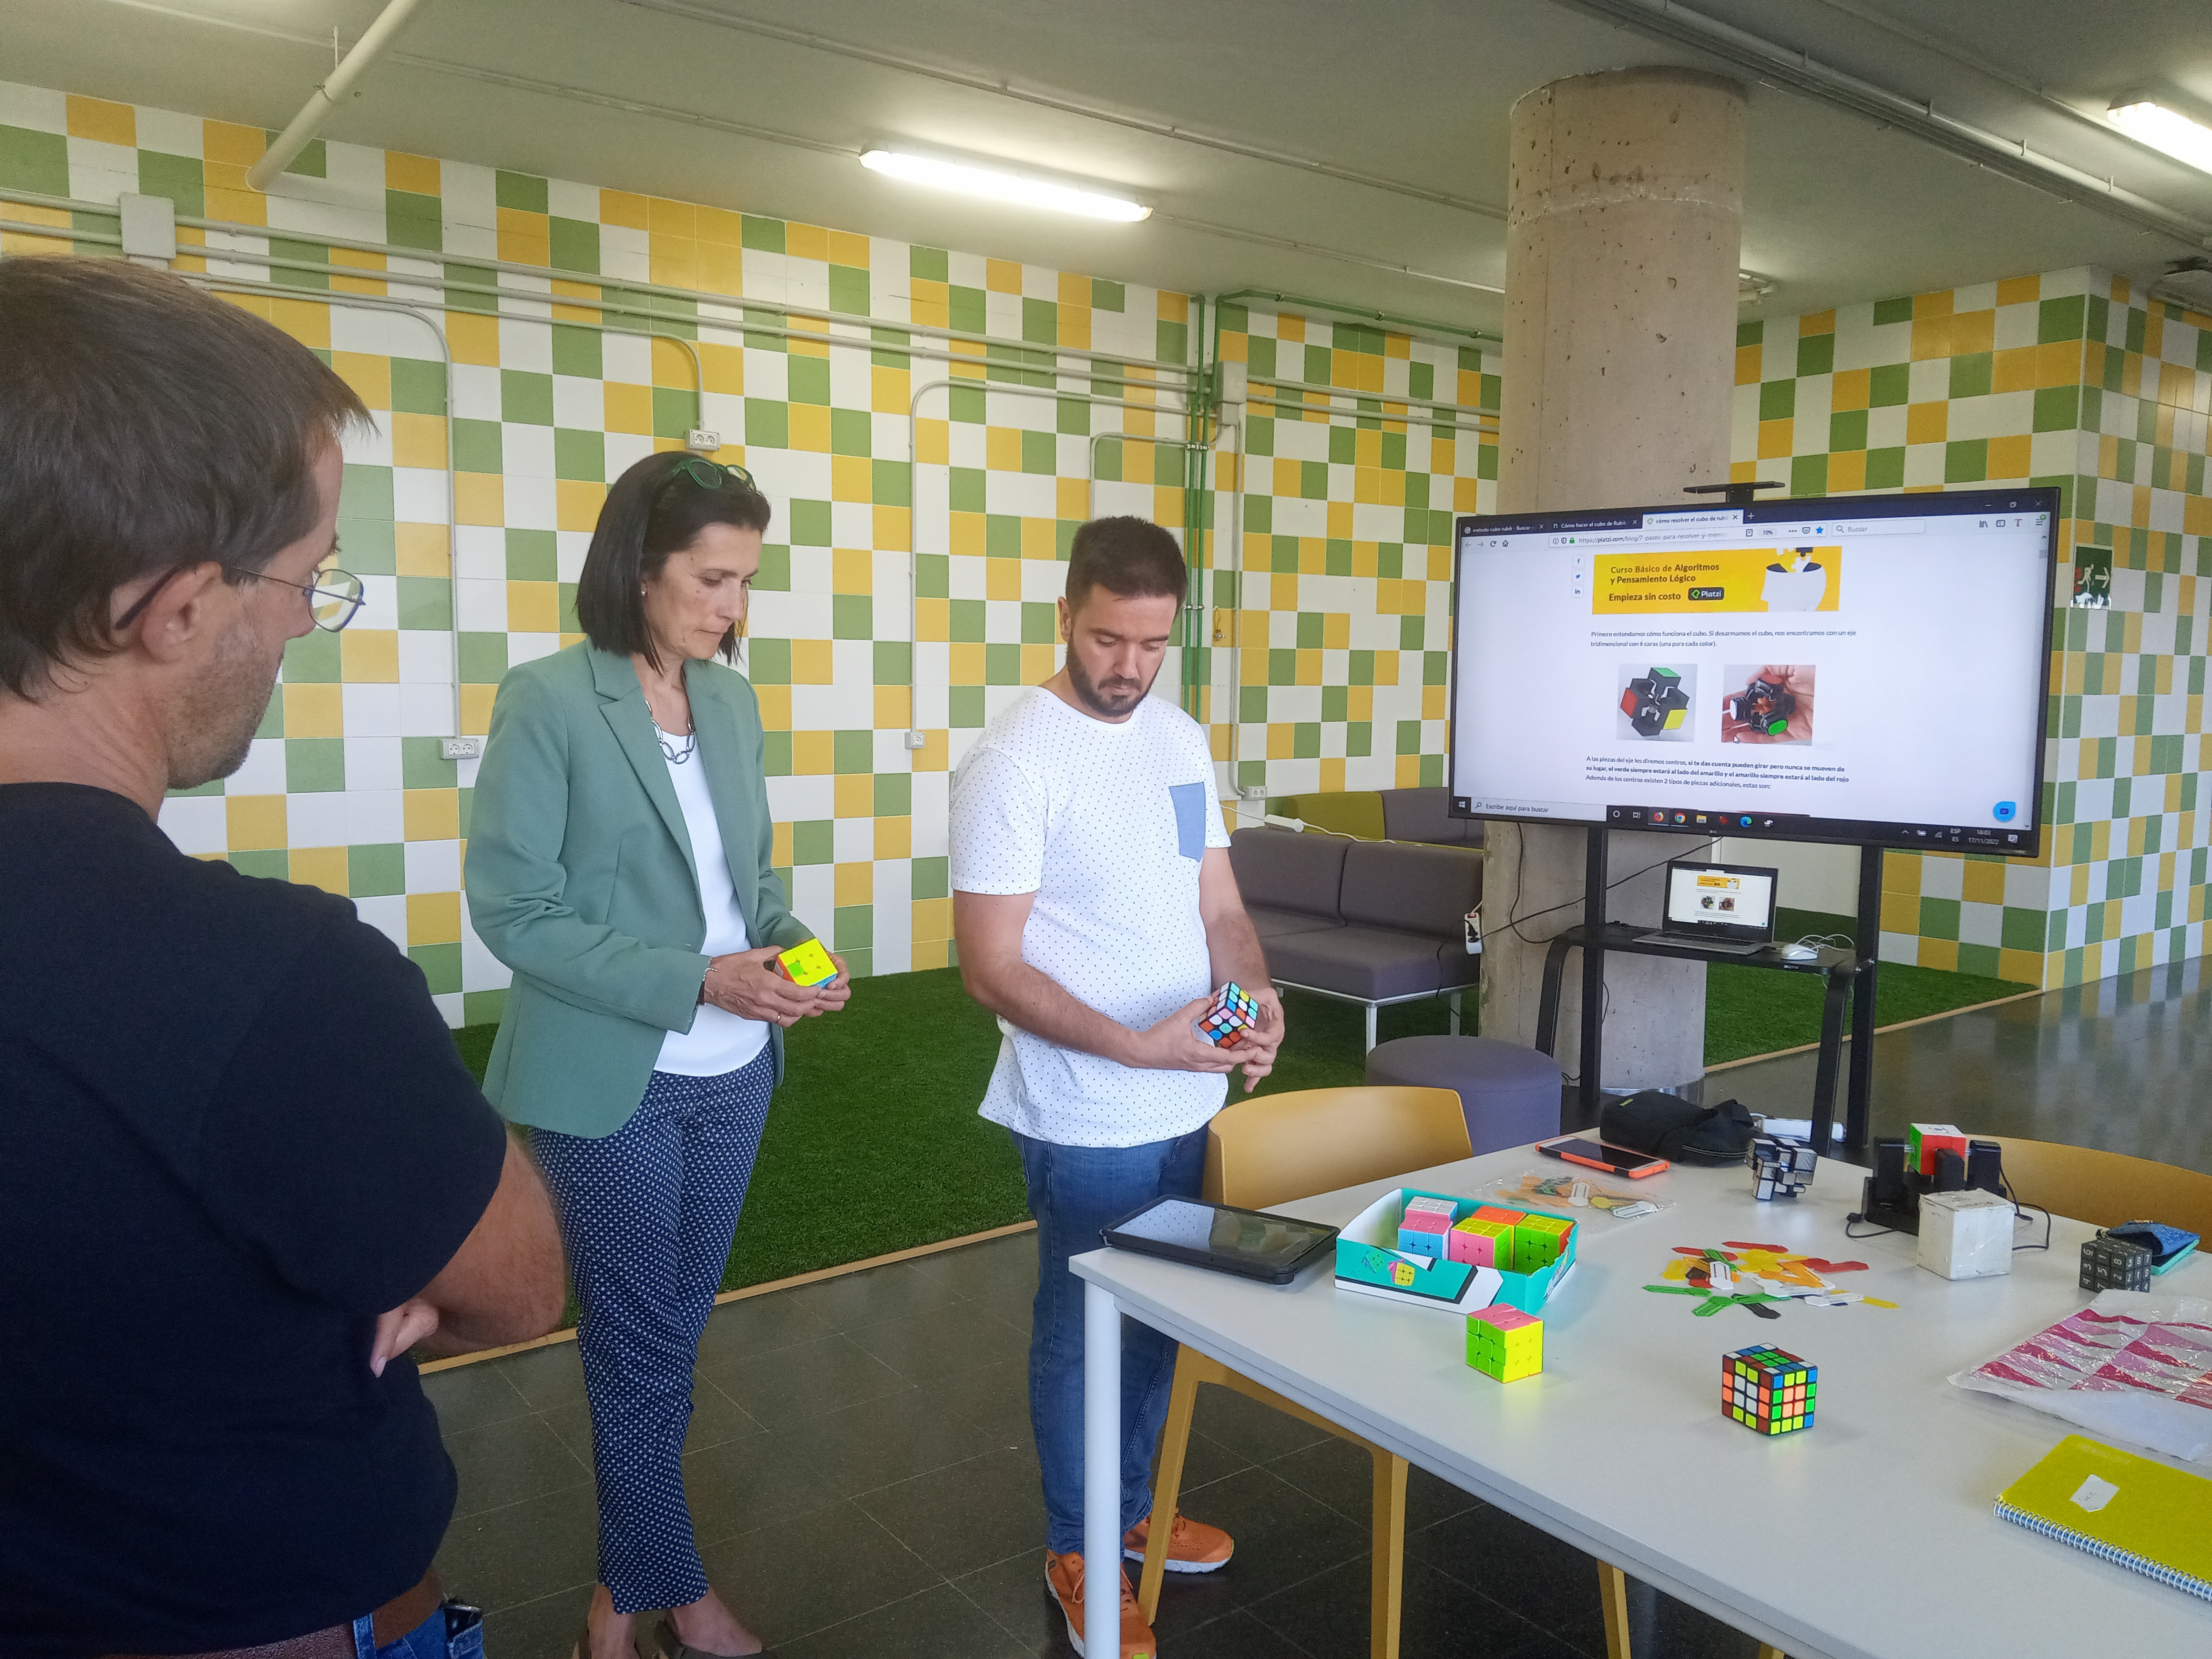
(2135, 1365)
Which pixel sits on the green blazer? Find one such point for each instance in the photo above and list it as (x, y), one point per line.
(581, 880)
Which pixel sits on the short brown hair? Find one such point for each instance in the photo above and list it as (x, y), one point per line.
(1128, 556)
(657, 507)
(149, 426)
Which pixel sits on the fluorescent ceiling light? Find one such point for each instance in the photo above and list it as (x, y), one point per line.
(1001, 186)
(2162, 130)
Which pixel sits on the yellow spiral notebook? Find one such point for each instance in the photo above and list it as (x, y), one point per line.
(2121, 1507)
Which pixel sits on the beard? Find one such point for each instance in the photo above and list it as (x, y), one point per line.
(1112, 699)
(212, 724)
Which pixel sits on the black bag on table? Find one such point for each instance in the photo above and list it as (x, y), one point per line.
(1669, 1126)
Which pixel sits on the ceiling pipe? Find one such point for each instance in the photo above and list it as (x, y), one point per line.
(322, 102)
(1787, 66)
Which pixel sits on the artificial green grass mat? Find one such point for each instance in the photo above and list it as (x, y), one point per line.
(873, 1143)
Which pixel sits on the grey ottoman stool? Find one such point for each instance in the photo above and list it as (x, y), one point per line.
(1510, 1094)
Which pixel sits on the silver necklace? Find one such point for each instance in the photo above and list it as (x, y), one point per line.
(688, 737)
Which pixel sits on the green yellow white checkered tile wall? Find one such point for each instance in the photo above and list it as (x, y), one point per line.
(587, 327)
(2077, 379)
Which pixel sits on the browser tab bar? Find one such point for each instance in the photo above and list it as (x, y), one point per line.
(1694, 519)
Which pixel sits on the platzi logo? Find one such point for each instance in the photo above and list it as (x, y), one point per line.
(1709, 592)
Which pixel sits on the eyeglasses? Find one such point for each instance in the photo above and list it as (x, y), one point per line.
(334, 598)
(709, 475)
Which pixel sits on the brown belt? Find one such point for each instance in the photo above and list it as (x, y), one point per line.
(401, 1614)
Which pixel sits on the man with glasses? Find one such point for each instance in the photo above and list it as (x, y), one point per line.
(243, 1171)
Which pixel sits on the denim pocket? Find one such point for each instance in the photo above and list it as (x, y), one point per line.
(1189, 800)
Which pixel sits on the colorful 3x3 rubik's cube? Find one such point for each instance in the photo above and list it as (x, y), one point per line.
(1768, 1391)
(806, 963)
(1233, 1012)
(1506, 1343)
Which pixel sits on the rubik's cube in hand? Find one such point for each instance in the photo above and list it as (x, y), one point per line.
(1232, 1013)
(806, 963)
(1768, 1391)
(1655, 702)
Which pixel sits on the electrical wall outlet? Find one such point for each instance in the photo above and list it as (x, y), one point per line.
(701, 442)
(461, 748)
(1251, 791)
(915, 739)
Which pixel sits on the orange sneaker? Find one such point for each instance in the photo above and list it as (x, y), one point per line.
(1063, 1576)
(1193, 1546)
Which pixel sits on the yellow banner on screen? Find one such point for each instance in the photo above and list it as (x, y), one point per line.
(1758, 579)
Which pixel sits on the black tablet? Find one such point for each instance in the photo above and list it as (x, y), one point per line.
(1249, 1242)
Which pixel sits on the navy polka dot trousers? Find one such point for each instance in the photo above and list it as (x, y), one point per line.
(647, 1214)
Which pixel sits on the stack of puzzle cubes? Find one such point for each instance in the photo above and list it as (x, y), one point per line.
(1781, 1165)
(1768, 1391)
(1233, 1013)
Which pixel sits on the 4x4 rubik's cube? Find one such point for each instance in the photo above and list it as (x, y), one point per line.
(1232, 1013)
(1768, 1391)
(1781, 1165)
(1655, 702)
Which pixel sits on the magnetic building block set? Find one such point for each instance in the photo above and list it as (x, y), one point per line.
(1769, 1391)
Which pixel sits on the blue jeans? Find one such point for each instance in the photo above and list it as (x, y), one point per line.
(434, 1639)
(1074, 1192)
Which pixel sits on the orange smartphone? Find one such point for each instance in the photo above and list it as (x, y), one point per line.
(1596, 1154)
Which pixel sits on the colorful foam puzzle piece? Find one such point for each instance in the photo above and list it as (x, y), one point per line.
(806, 963)
(1768, 1390)
(1505, 1343)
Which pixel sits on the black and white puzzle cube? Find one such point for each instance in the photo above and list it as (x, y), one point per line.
(1655, 702)
(2113, 1264)
(1781, 1165)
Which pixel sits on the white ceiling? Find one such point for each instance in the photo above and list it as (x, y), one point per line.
(723, 102)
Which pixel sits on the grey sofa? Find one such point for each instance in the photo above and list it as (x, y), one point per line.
(1370, 922)
(1424, 815)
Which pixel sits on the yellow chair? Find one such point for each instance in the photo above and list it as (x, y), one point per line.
(1270, 1149)
(2105, 1188)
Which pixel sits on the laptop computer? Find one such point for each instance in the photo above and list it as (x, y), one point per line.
(1728, 909)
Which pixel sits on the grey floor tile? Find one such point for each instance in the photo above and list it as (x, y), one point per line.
(1441, 1618)
(500, 1559)
(862, 1298)
(936, 1342)
(804, 1380)
(1282, 1537)
(758, 1324)
(759, 1480)
(1241, 1635)
(814, 1571)
(1342, 1475)
(996, 1268)
(964, 1517)
(546, 1377)
(1550, 1583)
(470, 1396)
(544, 1629)
(1012, 1592)
(715, 1418)
(881, 1442)
(937, 1623)
(505, 1462)
(994, 1398)
(1252, 1430)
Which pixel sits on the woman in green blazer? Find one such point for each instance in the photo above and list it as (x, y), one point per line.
(619, 863)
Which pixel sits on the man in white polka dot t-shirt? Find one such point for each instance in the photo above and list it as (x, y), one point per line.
(1097, 915)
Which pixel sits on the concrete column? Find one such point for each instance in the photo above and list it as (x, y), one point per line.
(1624, 232)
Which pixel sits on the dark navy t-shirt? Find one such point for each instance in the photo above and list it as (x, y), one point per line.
(233, 1129)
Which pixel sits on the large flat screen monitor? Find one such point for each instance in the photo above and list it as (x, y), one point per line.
(1868, 668)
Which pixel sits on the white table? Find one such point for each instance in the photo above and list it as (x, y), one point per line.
(1869, 1536)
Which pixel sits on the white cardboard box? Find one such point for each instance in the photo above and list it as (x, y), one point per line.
(1966, 1235)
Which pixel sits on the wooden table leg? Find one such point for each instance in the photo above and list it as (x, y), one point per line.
(1612, 1592)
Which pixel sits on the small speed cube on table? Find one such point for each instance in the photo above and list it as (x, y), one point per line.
(1768, 1391)
(1506, 1343)
(806, 964)
(2113, 1264)
(1781, 1165)
(1655, 702)
(1232, 1013)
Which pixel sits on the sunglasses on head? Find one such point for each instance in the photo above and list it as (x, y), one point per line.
(709, 475)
